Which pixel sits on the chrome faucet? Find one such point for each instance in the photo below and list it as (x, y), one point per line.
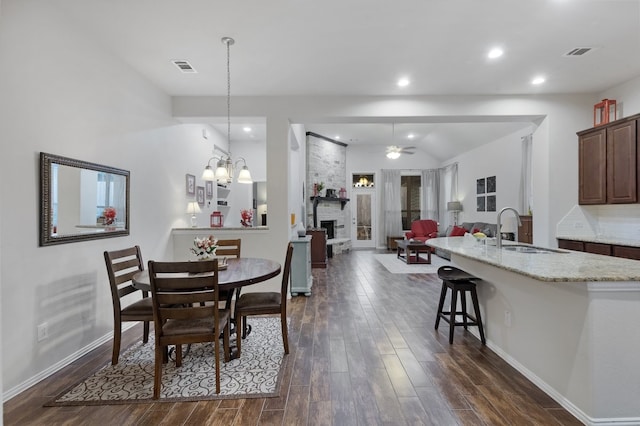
(499, 225)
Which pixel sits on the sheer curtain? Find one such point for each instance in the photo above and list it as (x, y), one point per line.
(430, 194)
(391, 205)
(449, 192)
(525, 197)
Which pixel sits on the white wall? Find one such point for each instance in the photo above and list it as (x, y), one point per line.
(94, 109)
(500, 158)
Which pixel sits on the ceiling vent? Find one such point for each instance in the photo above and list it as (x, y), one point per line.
(579, 51)
(184, 66)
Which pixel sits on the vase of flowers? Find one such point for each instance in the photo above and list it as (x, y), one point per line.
(204, 248)
(245, 217)
(109, 215)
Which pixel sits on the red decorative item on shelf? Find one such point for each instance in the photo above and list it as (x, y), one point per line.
(342, 193)
(604, 112)
(217, 220)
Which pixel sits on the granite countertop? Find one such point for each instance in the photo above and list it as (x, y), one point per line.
(563, 266)
(603, 240)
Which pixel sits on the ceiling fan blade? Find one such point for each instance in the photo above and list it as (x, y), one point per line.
(409, 147)
(408, 152)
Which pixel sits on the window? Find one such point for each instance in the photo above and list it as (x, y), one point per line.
(410, 198)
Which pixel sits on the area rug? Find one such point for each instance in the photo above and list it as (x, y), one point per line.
(256, 374)
(397, 266)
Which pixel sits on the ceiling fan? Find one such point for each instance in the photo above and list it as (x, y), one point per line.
(394, 151)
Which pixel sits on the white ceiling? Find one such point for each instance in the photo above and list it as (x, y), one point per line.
(361, 47)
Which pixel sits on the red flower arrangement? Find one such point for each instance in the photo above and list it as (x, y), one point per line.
(246, 216)
(109, 214)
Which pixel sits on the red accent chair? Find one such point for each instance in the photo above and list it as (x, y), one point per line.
(422, 230)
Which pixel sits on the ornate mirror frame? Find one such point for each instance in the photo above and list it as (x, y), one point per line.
(48, 230)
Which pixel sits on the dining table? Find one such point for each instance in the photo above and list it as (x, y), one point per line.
(237, 273)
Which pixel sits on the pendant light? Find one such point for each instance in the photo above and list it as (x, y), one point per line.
(225, 166)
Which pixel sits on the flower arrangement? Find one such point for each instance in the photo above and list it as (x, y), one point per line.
(109, 214)
(204, 248)
(245, 217)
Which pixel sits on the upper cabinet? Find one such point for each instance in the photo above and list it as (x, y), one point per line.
(608, 163)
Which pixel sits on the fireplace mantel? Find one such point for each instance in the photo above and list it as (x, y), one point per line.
(317, 200)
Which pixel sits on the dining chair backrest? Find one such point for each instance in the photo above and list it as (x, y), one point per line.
(229, 248)
(286, 272)
(121, 267)
(180, 290)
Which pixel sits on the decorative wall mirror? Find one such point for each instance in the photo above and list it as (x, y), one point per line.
(81, 201)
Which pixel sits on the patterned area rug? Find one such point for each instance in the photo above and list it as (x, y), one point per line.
(256, 374)
(397, 266)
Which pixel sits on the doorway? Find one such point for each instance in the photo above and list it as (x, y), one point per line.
(363, 218)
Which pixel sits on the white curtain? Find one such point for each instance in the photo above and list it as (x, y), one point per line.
(391, 205)
(448, 192)
(430, 195)
(525, 196)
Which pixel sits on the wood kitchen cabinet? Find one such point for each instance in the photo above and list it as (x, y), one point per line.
(318, 247)
(600, 248)
(525, 231)
(608, 163)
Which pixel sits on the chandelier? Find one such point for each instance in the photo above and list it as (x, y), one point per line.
(225, 166)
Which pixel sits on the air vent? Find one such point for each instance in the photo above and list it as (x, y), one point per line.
(184, 66)
(579, 51)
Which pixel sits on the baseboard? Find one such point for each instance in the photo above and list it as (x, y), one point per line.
(556, 396)
(7, 395)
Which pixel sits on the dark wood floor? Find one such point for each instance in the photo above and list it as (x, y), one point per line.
(363, 352)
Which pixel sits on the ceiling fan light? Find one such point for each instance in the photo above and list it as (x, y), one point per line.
(394, 155)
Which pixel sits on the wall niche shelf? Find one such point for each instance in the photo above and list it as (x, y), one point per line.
(317, 200)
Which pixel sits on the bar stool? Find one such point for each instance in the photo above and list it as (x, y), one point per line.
(460, 282)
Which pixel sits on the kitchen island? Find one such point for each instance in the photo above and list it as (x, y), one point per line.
(566, 320)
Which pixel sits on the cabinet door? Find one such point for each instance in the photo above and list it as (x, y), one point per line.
(525, 232)
(621, 163)
(571, 245)
(598, 248)
(592, 163)
(628, 252)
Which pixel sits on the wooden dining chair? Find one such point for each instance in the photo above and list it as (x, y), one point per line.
(121, 266)
(229, 248)
(265, 303)
(177, 291)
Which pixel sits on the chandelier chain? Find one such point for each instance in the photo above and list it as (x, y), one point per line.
(228, 43)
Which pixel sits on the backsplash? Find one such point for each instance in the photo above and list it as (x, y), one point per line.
(611, 220)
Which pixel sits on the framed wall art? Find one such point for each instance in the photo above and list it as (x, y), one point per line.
(481, 203)
(200, 195)
(491, 203)
(480, 186)
(209, 189)
(491, 184)
(191, 184)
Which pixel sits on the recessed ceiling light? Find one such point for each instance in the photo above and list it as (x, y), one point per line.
(246, 129)
(411, 136)
(494, 53)
(403, 82)
(337, 137)
(538, 80)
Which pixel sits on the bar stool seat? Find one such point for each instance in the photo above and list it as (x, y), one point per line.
(460, 282)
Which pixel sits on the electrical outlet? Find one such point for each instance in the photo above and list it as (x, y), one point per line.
(43, 331)
(507, 318)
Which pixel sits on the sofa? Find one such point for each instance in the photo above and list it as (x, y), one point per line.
(489, 229)
(422, 230)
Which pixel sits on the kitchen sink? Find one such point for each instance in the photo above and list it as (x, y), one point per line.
(530, 249)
